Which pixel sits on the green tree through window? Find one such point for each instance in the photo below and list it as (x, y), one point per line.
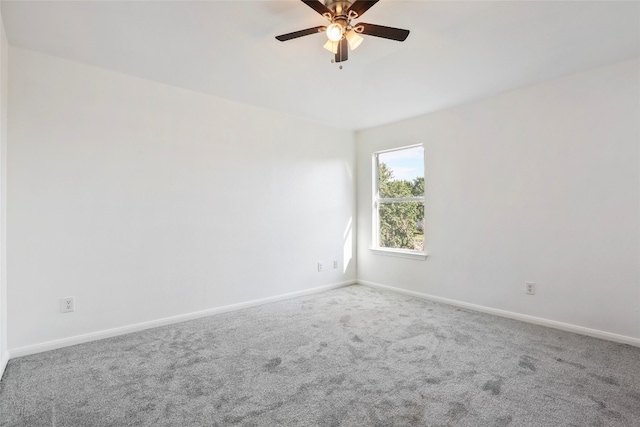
(400, 203)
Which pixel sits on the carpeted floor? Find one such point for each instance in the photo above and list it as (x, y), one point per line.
(354, 356)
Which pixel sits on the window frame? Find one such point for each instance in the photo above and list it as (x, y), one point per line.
(377, 200)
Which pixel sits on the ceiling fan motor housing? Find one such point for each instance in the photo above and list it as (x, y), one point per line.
(339, 7)
(342, 21)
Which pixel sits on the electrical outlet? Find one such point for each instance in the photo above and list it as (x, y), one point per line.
(319, 267)
(335, 264)
(529, 288)
(67, 305)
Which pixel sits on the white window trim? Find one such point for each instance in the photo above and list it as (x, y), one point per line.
(400, 253)
(376, 248)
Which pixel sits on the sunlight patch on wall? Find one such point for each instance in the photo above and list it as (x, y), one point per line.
(347, 249)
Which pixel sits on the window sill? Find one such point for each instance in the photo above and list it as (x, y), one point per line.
(400, 253)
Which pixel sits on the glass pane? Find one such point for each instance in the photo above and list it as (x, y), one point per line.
(402, 225)
(401, 173)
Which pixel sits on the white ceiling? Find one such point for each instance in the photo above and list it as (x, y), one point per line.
(458, 51)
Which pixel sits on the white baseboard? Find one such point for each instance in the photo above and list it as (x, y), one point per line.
(623, 339)
(108, 333)
(4, 359)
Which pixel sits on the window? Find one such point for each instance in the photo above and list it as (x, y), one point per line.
(398, 201)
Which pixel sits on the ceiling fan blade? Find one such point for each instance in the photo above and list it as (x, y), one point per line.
(318, 7)
(384, 32)
(361, 6)
(301, 33)
(343, 51)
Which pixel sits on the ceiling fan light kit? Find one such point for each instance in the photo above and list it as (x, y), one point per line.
(341, 34)
(353, 39)
(335, 32)
(331, 46)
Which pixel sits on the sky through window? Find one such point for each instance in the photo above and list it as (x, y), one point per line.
(406, 164)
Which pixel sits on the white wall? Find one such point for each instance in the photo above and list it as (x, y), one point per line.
(145, 201)
(540, 184)
(4, 72)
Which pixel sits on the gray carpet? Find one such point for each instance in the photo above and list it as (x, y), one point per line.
(348, 357)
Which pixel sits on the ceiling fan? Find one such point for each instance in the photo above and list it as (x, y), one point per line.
(341, 32)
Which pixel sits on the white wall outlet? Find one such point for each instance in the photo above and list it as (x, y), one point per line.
(529, 288)
(67, 305)
(335, 264)
(319, 267)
